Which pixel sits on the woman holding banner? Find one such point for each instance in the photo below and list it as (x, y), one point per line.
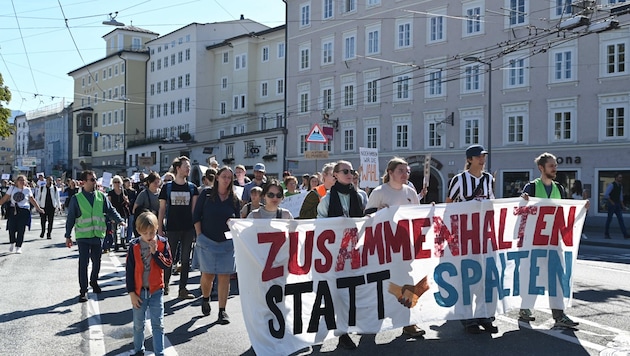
(214, 254)
(395, 192)
(473, 184)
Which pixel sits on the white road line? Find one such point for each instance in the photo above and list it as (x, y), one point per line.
(95, 330)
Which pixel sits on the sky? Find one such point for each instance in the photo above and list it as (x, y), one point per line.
(37, 49)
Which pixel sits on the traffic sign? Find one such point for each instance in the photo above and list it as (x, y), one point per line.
(316, 154)
(316, 136)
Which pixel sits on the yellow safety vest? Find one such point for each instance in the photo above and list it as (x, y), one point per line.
(91, 223)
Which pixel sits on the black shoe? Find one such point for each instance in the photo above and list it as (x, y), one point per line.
(49, 237)
(166, 289)
(346, 342)
(41, 236)
(83, 297)
(95, 287)
(488, 327)
(205, 308)
(473, 329)
(223, 318)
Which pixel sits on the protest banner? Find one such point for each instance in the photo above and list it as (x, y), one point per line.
(293, 203)
(368, 168)
(302, 281)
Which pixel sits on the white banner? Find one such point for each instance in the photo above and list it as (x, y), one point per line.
(302, 281)
(293, 203)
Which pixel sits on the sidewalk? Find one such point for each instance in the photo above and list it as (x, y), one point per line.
(595, 236)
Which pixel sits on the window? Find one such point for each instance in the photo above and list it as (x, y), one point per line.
(105, 71)
(562, 125)
(373, 2)
(615, 122)
(435, 85)
(371, 90)
(109, 72)
(561, 8)
(348, 95)
(305, 15)
(304, 57)
(516, 73)
(436, 29)
(279, 86)
(434, 139)
(109, 118)
(173, 59)
(471, 78)
(270, 146)
(372, 137)
(304, 104)
(95, 98)
(223, 106)
(187, 54)
(303, 145)
(166, 62)
(224, 83)
(180, 80)
(471, 132)
(616, 58)
(179, 106)
(265, 54)
(264, 89)
(136, 44)
(281, 50)
(240, 61)
(172, 83)
(159, 87)
(165, 109)
(159, 65)
(373, 39)
(173, 107)
(349, 5)
(187, 81)
(404, 35)
(517, 12)
(473, 21)
(401, 87)
(115, 92)
(328, 9)
(226, 57)
(229, 150)
(115, 117)
(348, 140)
(151, 112)
(187, 104)
(515, 127)
(327, 51)
(327, 99)
(402, 136)
(563, 65)
(179, 57)
(109, 94)
(166, 86)
(350, 47)
(158, 111)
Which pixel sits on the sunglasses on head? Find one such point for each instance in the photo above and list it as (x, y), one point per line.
(272, 195)
(346, 171)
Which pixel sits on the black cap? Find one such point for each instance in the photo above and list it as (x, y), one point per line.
(475, 150)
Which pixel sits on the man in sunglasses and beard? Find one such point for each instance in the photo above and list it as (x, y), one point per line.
(86, 213)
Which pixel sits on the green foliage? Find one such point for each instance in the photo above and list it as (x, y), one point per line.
(5, 113)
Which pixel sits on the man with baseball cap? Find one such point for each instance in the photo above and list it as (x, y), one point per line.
(259, 181)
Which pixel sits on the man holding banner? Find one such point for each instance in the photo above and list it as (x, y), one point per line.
(473, 184)
(546, 187)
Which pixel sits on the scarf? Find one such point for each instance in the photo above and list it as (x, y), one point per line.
(334, 205)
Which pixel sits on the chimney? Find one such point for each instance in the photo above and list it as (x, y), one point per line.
(242, 17)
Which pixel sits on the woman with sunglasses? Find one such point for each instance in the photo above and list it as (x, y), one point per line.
(120, 201)
(214, 254)
(19, 212)
(273, 194)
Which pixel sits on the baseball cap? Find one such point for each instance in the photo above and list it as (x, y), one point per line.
(475, 150)
(259, 167)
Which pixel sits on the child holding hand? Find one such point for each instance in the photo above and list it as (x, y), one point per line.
(147, 258)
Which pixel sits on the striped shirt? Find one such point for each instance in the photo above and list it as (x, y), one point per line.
(463, 186)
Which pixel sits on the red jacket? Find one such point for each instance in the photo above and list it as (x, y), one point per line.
(160, 261)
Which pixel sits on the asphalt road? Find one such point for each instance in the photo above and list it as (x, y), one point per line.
(39, 313)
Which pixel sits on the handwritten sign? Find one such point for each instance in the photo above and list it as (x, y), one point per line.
(369, 171)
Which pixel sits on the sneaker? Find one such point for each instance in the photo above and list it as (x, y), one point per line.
(413, 331)
(565, 322)
(346, 342)
(12, 247)
(473, 329)
(223, 318)
(184, 294)
(526, 315)
(18, 250)
(205, 307)
(488, 327)
(83, 297)
(95, 287)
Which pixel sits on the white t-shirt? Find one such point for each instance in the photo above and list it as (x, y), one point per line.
(384, 195)
(20, 197)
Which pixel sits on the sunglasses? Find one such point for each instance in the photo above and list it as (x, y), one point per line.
(92, 179)
(116, 182)
(346, 171)
(277, 195)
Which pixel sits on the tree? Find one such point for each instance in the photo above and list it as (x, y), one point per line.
(5, 113)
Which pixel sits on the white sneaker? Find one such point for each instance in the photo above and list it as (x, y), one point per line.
(18, 250)
(12, 247)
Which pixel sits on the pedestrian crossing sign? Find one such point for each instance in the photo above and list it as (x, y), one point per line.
(316, 135)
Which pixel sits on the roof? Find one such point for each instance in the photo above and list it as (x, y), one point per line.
(132, 28)
(251, 34)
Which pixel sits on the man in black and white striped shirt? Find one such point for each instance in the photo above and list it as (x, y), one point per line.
(473, 183)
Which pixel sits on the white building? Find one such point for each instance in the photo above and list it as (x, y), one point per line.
(412, 78)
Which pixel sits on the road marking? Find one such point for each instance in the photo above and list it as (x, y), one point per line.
(95, 330)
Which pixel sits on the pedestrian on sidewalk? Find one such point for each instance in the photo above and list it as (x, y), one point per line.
(545, 187)
(147, 258)
(19, 212)
(615, 205)
(87, 213)
(50, 202)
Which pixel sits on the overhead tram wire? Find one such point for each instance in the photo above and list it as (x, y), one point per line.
(28, 60)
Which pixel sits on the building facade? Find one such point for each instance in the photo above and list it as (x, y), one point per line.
(414, 78)
(110, 102)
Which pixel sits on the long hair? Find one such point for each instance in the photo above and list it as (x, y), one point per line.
(577, 187)
(392, 165)
(214, 194)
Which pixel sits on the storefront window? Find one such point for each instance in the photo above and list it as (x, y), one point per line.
(605, 178)
(513, 183)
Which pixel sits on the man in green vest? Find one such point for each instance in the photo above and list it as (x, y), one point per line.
(86, 213)
(547, 188)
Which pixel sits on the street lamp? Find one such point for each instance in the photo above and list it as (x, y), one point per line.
(489, 64)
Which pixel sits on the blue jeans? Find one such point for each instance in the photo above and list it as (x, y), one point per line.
(615, 209)
(154, 303)
(130, 225)
(89, 249)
